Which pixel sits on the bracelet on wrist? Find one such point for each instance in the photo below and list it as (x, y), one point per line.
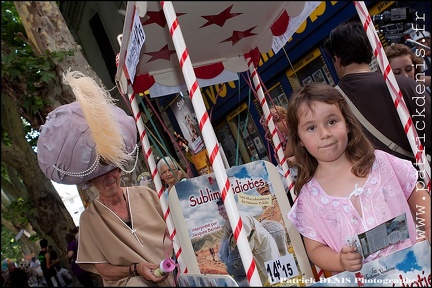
(134, 272)
(135, 269)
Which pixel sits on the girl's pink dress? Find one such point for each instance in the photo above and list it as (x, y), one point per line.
(331, 220)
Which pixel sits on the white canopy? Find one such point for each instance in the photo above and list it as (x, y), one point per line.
(217, 33)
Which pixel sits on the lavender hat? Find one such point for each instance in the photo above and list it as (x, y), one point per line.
(87, 138)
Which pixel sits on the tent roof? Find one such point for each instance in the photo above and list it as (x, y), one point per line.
(217, 35)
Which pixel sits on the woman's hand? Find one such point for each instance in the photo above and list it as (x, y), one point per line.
(146, 270)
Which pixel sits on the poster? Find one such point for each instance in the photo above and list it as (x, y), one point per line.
(307, 80)
(261, 198)
(318, 76)
(186, 118)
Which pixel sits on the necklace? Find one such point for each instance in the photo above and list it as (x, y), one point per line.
(116, 207)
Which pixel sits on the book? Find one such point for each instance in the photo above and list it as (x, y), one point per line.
(381, 236)
(409, 267)
(260, 197)
(201, 280)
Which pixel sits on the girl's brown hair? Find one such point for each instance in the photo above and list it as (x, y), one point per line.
(359, 150)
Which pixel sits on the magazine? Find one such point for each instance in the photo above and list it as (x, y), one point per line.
(262, 203)
(381, 236)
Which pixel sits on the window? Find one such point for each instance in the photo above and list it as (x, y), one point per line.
(104, 44)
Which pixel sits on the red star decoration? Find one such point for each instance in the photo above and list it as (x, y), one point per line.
(238, 35)
(157, 17)
(221, 18)
(163, 53)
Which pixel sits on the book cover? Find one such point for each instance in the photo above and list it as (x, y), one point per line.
(262, 203)
(410, 267)
(201, 280)
(381, 236)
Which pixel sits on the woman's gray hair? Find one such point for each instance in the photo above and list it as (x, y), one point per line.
(169, 161)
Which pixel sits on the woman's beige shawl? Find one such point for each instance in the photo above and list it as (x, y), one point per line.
(105, 238)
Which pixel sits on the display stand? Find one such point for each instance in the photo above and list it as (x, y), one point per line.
(200, 226)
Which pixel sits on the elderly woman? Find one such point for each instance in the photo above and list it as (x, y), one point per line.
(170, 172)
(91, 141)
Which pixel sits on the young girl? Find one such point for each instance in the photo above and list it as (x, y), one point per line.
(346, 187)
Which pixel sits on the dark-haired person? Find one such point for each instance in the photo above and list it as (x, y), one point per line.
(47, 263)
(16, 277)
(351, 52)
(84, 277)
(262, 243)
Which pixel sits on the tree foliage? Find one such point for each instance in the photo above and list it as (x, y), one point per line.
(36, 49)
(10, 248)
(26, 72)
(32, 69)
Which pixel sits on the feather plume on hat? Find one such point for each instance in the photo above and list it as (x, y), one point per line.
(95, 103)
(88, 137)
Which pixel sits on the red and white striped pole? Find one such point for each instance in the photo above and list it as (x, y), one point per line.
(396, 94)
(149, 157)
(270, 123)
(272, 127)
(211, 143)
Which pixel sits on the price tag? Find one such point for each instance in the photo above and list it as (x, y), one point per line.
(281, 269)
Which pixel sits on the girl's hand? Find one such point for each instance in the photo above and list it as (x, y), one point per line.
(350, 259)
